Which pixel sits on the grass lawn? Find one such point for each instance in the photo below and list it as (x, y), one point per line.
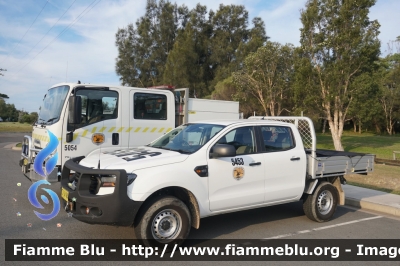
(384, 178)
(15, 127)
(381, 146)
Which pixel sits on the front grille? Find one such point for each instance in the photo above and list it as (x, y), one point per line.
(74, 177)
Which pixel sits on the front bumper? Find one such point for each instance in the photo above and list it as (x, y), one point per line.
(28, 155)
(113, 209)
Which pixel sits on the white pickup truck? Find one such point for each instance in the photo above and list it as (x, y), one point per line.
(208, 168)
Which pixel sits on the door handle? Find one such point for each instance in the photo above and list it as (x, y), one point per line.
(295, 159)
(253, 164)
(115, 139)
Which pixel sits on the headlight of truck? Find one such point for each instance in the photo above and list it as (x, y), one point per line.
(131, 178)
(108, 181)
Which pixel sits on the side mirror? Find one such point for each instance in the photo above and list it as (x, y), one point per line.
(75, 110)
(222, 150)
(70, 137)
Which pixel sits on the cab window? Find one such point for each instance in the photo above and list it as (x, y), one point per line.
(243, 139)
(277, 138)
(150, 106)
(97, 105)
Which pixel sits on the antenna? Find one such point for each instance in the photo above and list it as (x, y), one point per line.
(66, 73)
(98, 165)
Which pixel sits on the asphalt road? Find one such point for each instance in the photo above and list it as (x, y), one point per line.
(282, 222)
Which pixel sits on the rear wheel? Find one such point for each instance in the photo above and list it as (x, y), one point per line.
(321, 205)
(164, 221)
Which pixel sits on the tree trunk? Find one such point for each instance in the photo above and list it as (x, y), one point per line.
(336, 128)
(377, 127)
(337, 142)
(359, 127)
(324, 126)
(354, 126)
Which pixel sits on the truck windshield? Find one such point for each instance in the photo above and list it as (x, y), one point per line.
(187, 138)
(52, 104)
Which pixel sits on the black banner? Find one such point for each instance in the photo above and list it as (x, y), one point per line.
(204, 250)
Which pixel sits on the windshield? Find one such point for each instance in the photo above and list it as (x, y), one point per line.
(187, 138)
(52, 104)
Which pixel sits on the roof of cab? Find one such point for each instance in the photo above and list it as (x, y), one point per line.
(240, 121)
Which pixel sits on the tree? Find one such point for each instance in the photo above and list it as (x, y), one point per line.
(227, 91)
(4, 96)
(340, 43)
(8, 112)
(1, 70)
(143, 50)
(232, 41)
(267, 76)
(365, 106)
(390, 97)
(186, 64)
(173, 45)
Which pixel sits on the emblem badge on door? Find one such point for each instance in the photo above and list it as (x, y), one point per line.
(238, 173)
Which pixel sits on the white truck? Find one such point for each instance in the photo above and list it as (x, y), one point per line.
(84, 116)
(208, 168)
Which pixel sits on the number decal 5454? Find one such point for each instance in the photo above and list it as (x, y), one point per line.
(70, 147)
(237, 161)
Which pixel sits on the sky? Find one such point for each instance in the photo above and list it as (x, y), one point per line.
(45, 42)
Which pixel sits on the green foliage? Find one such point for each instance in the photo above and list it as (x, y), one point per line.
(8, 112)
(226, 90)
(390, 92)
(182, 70)
(143, 49)
(267, 76)
(334, 76)
(173, 45)
(365, 109)
(28, 118)
(4, 96)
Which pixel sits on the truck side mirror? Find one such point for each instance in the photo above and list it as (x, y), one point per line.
(222, 150)
(75, 110)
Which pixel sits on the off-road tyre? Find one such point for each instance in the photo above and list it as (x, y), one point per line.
(165, 220)
(321, 205)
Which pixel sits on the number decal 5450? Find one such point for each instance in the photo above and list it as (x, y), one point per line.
(70, 148)
(237, 161)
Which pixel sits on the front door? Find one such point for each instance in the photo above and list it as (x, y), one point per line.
(101, 118)
(239, 181)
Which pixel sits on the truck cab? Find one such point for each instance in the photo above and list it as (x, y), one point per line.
(81, 118)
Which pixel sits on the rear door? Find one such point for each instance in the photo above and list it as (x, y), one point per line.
(150, 115)
(101, 118)
(285, 164)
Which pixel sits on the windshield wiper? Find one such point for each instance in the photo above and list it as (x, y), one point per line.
(168, 149)
(52, 119)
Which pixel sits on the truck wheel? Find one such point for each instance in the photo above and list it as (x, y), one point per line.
(164, 221)
(321, 205)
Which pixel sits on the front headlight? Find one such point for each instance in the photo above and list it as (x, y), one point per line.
(108, 181)
(131, 178)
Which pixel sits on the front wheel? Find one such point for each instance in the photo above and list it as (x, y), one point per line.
(321, 205)
(164, 221)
